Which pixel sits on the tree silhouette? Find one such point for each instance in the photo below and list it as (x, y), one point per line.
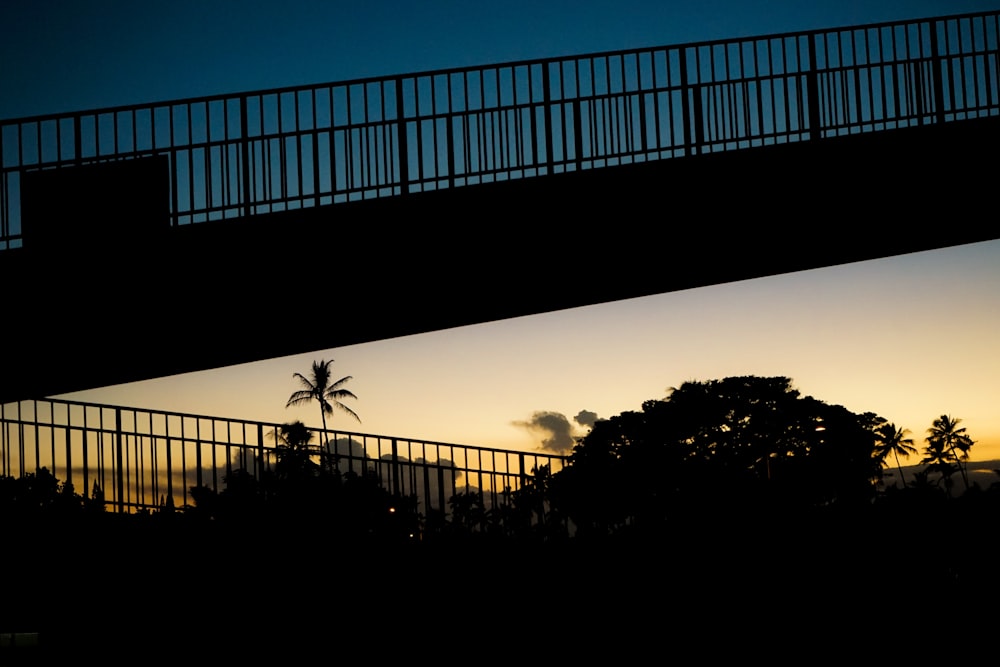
(293, 452)
(318, 387)
(892, 440)
(947, 448)
(727, 447)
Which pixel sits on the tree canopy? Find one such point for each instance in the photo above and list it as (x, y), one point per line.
(725, 442)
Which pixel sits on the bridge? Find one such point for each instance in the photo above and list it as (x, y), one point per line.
(149, 240)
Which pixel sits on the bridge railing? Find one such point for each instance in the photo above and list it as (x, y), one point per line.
(259, 152)
(147, 459)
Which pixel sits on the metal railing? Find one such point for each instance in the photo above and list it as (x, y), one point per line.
(274, 150)
(147, 459)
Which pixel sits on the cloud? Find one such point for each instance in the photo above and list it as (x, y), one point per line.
(556, 426)
(585, 418)
(348, 447)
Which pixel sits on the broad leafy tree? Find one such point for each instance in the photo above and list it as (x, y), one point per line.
(732, 444)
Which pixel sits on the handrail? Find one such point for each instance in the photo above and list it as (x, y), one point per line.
(139, 458)
(258, 152)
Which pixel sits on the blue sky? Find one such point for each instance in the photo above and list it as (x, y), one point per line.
(861, 336)
(62, 55)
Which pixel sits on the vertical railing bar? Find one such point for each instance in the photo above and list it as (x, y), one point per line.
(52, 434)
(140, 477)
(657, 138)
(845, 96)
(198, 462)
(297, 137)
(913, 98)
(744, 83)
(617, 131)
(899, 81)
(403, 152)
(513, 142)
(382, 139)
(484, 156)
(510, 126)
(348, 145)
(22, 463)
(190, 154)
(519, 122)
(97, 136)
(385, 141)
(261, 460)
(593, 107)
(827, 108)
(607, 127)
(736, 98)
(331, 143)
(759, 83)
(628, 117)
(881, 75)
(207, 152)
(246, 170)
(871, 85)
(449, 128)
(720, 118)
(38, 460)
(119, 462)
(227, 173)
(394, 471)
(170, 458)
(59, 152)
(961, 64)
(86, 458)
(434, 131)
(686, 111)
(975, 66)
(496, 129)
(785, 79)
(940, 62)
(700, 121)
(365, 133)
(858, 106)
(78, 139)
(215, 459)
(419, 125)
(184, 484)
(995, 97)
(466, 135)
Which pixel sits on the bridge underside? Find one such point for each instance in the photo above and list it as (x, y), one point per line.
(215, 294)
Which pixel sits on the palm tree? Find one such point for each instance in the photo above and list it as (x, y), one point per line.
(318, 387)
(946, 444)
(892, 440)
(292, 449)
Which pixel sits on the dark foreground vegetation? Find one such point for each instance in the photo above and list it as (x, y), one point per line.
(736, 507)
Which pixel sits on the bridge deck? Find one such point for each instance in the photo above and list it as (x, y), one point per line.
(385, 207)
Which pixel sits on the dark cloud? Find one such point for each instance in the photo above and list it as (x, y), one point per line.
(585, 418)
(555, 426)
(347, 447)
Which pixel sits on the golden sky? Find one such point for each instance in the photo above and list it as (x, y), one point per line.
(910, 338)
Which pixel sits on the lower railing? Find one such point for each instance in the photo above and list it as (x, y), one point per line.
(146, 459)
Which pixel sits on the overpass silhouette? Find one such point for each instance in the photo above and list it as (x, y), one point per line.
(149, 240)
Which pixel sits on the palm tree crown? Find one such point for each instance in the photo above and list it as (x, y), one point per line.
(892, 440)
(318, 387)
(947, 444)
